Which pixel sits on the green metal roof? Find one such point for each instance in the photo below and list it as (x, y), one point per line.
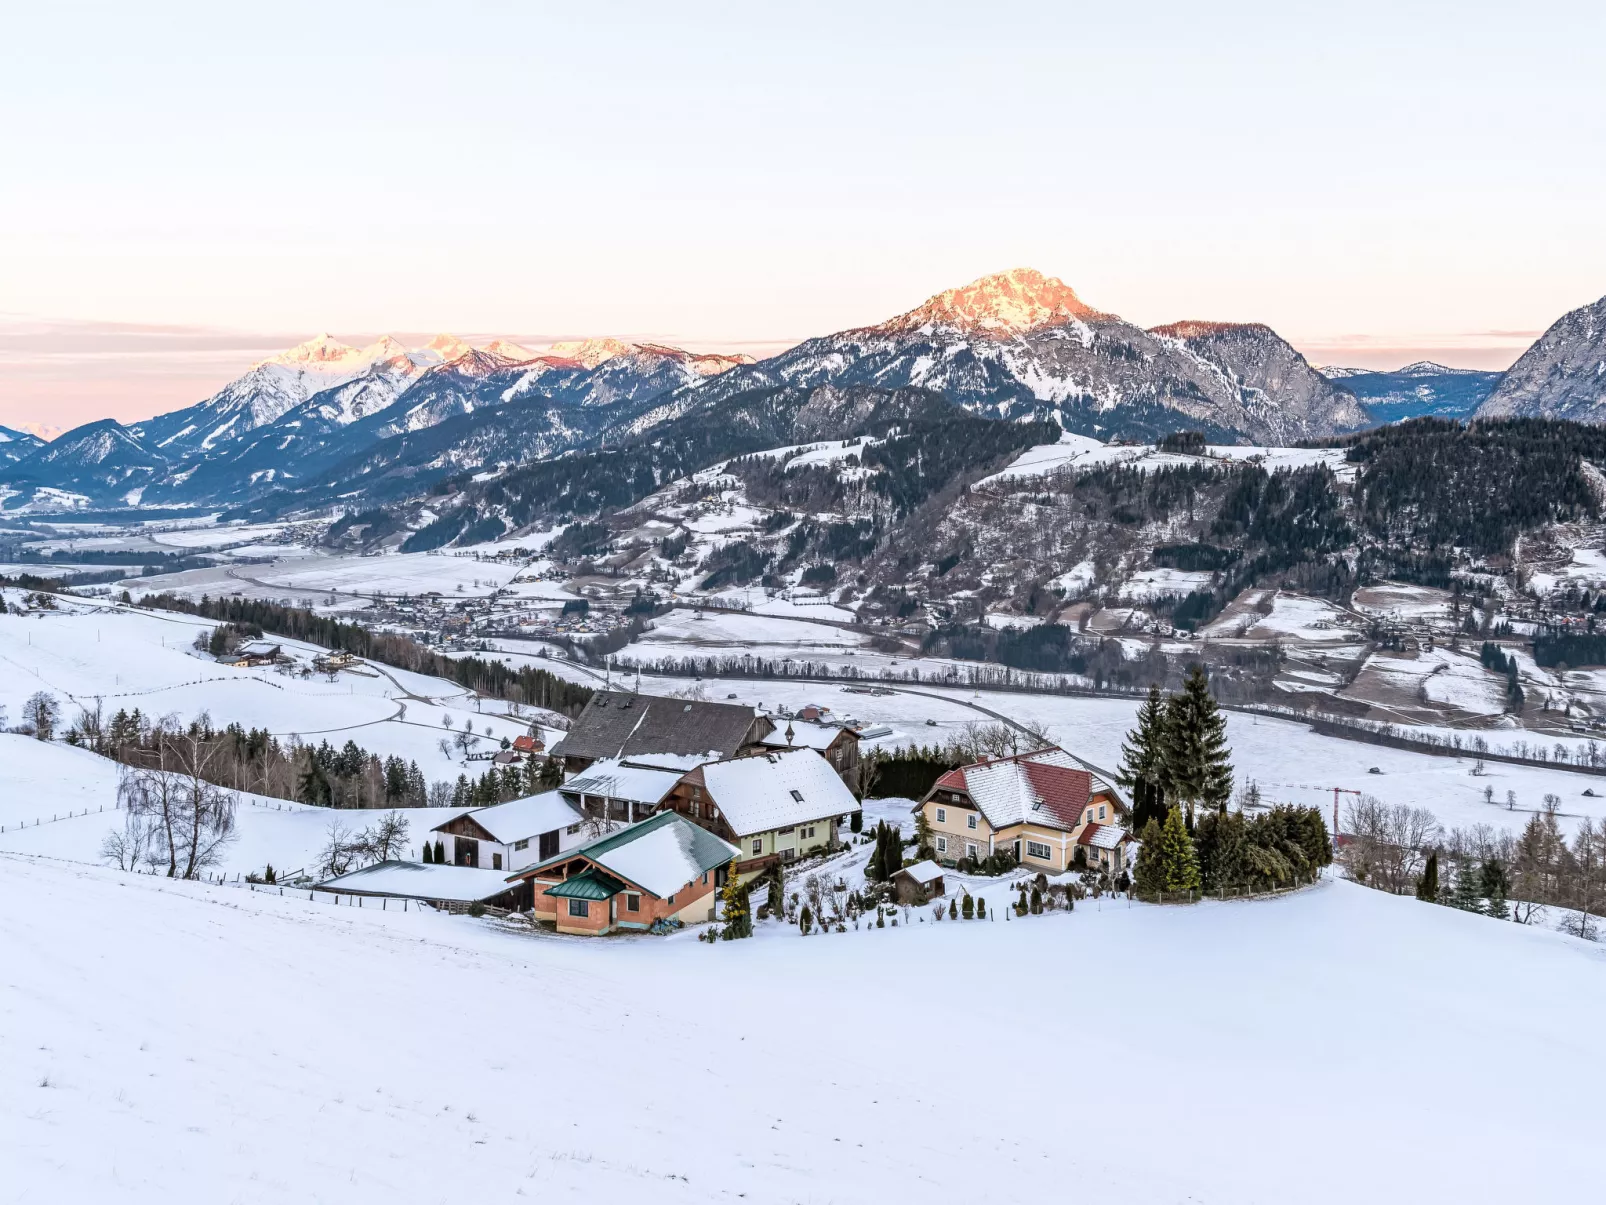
(589, 884)
(708, 850)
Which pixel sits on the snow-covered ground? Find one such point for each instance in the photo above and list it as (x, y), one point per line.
(126, 658)
(182, 1041)
(1073, 452)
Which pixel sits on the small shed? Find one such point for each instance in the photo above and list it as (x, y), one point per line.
(921, 879)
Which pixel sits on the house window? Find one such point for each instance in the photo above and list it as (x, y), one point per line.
(942, 815)
(1036, 849)
(1089, 816)
(758, 845)
(806, 833)
(572, 829)
(496, 861)
(970, 820)
(1101, 811)
(797, 795)
(670, 900)
(970, 849)
(632, 903)
(579, 908)
(525, 844)
(787, 829)
(942, 845)
(705, 878)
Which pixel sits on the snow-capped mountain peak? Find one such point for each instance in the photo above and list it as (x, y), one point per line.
(320, 351)
(591, 352)
(998, 306)
(511, 351)
(448, 347)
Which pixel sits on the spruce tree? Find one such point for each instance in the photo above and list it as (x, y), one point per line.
(1037, 901)
(1427, 887)
(440, 852)
(1494, 890)
(1179, 864)
(1196, 762)
(1468, 887)
(856, 821)
(1142, 761)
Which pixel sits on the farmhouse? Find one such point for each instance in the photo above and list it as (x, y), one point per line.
(661, 868)
(838, 744)
(775, 806)
(1045, 807)
(620, 724)
(256, 652)
(511, 835)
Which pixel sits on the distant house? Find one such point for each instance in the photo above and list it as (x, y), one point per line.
(838, 745)
(330, 662)
(254, 652)
(664, 867)
(507, 836)
(528, 745)
(622, 789)
(1046, 807)
(620, 724)
(776, 807)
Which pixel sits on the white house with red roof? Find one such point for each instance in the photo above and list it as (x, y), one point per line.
(1048, 808)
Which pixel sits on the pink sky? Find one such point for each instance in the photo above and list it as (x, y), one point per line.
(1389, 183)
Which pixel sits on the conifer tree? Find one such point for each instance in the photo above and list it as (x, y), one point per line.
(1037, 901)
(440, 852)
(1020, 905)
(953, 909)
(968, 908)
(1142, 761)
(1468, 887)
(1197, 769)
(856, 821)
(1149, 875)
(925, 840)
(981, 907)
(1179, 864)
(1427, 887)
(1494, 890)
(738, 912)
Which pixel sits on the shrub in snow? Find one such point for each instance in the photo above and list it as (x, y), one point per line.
(981, 908)
(805, 920)
(968, 908)
(953, 909)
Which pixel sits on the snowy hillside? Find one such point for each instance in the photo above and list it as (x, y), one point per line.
(321, 1074)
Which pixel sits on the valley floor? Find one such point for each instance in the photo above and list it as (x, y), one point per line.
(166, 1041)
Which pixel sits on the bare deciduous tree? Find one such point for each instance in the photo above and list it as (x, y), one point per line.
(40, 714)
(1386, 843)
(128, 847)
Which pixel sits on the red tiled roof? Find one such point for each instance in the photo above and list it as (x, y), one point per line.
(1030, 787)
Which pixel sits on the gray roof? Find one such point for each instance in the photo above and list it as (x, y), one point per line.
(619, 724)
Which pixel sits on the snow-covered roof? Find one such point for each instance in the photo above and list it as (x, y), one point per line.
(1047, 786)
(923, 872)
(1101, 836)
(421, 881)
(618, 778)
(805, 735)
(772, 790)
(521, 819)
(661, 854)
(258, 648)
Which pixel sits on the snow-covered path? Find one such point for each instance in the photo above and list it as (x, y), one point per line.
(174, 1041)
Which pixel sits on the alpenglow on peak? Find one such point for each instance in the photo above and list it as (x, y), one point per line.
(1004, 304)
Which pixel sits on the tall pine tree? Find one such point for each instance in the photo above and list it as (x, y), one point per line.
(1196, 765)
(1427, 887)
(1142, 761)
(1179, 865)
(1494, 890)
(1468, 887)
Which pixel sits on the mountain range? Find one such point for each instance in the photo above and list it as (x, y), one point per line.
(325, 422)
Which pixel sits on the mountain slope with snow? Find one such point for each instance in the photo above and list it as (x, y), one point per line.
(1021, 344)
(1417, 389)
(1563, 375)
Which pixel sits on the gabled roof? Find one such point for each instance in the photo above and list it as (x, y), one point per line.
(1046, 786)
(924, 873)
(589, 884)
(806, 736)
(772, 790)
(620, 724)
(521, 819)
(615, 778)
(660, 855)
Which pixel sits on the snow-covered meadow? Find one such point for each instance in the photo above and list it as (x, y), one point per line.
(168, 1041)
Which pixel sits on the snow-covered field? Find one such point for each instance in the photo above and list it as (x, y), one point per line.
(397, 573)
(1082, 452)
(127, 658)
(181, 1041)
